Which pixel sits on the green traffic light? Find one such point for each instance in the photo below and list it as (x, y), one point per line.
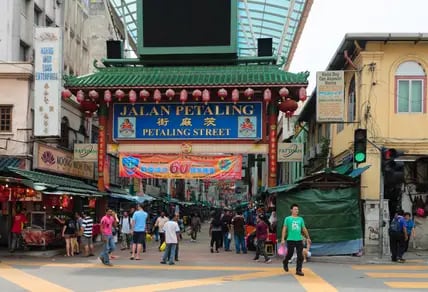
(359, 157)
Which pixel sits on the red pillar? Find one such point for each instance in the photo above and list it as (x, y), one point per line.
(272, 157)
(102, 144)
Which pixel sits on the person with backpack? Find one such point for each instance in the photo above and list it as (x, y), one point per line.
(397, 237)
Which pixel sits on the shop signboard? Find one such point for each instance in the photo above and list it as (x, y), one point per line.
(47, 81)
(85, 152)
(60, 161)
(180, 166)
(188, 121)
(290, 152)
(330, 96)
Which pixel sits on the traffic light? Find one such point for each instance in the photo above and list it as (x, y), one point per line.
(393, 171)
(360, 145)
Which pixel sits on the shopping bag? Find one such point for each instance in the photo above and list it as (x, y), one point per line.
(163, 246)
(282, 250)
(148, 237)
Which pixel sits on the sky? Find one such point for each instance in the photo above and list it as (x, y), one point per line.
(330, 20)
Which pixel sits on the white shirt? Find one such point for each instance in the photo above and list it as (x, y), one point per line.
(160, 222)
(125, 225)
(171, 228)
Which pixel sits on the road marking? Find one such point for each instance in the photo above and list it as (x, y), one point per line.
(314, 283)
(399, 275)
(407, 285)
(200, 282)
(28, 281)
(390, 267)
(144, 267)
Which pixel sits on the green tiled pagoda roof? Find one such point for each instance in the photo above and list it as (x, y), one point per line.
(180, 76)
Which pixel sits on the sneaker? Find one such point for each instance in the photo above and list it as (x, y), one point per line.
(163, 263)
(102, 260)
(401, 261)
(268, 261)
(108, 264)
(255, 259)
(285, 265)
(171, 264)
(300, 273)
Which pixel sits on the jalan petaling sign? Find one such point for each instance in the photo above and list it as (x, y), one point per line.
(290, 152)
(189, 121)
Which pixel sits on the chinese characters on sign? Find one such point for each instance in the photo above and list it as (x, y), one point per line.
(47, 84)
(187, 121)
(330, 96)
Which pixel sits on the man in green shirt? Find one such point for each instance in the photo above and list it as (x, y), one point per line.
(293, 227)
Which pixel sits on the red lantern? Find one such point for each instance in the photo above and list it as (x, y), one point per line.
(89, 107)
(289, 106)
(222, 93)
(92, 203)
(235, 95)
(206, 96)
(107, 97)
(267, 95)
(132, 96)
(93, 94)
(144, 94)
(196, 94)
(80, 96)
(302, 94)
(66, 94)
(183, 96)
(119, 94)
(283, 92)
(249, 92)
(157, 96)
(170, 94)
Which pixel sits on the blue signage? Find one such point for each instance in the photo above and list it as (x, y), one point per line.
(189, 121)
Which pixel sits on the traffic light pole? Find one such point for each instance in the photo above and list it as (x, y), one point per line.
(381, 198)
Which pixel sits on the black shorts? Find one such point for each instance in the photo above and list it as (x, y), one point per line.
(139, 237)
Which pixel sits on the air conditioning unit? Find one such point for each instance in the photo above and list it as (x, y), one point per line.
(318, 148)
(312, 152)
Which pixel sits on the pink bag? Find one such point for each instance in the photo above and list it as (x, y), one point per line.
(282, 250)
(420, 212)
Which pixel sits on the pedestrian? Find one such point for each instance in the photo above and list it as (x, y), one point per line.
(125, 231)
(410, 230)
(195, 226)
(69, 235)
(180, 237)
(107, 224)
(77, 241)
(215, 232)
(160, 222)
(238, 224)
(262, 234)
(86, 239)
(18, 222)
(172, 232)
(292, 229)
(138, 224)
(226, 222)
(155, 228)
(397, 237)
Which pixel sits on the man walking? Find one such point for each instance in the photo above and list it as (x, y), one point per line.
(293, 228)
(397, 237)
(238, 223)
(138, 223)
(125, 230)
(86, 239)
(262, 233)
(172, 232)
(107, 223)
(160, 222)
(195, 226)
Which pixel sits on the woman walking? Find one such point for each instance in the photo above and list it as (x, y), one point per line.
(216, 232)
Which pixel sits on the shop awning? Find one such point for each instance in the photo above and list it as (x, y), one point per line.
(54, 184)
(119, 193)
(281, 188)
(344, 168)
(358, 171)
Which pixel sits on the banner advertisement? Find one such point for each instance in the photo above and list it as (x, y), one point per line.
(61, 162)
(188, 121)
(47, 81)
(180, 166)
(330, 96)
(85, 152)
(290, 152)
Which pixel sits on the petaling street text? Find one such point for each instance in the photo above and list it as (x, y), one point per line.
(187, 110)
(186, 132)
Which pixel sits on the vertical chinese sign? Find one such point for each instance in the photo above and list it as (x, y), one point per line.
(47, 84)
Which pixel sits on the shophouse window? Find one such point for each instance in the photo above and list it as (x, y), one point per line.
(410, 80)
(5, 118)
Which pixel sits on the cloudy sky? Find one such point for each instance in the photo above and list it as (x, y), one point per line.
(330, 20)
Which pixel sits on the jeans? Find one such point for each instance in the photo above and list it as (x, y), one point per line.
(169, 252)
(240, 243)
(260, 249)
(226, 241)
(299, 249)
(109, 246)
(15, 240)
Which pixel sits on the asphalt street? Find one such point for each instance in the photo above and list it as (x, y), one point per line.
(198, 269)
